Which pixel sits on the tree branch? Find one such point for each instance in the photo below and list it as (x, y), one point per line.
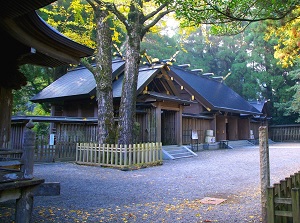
(155, 20)
(151, 14)
(112, 8)
(234, 18)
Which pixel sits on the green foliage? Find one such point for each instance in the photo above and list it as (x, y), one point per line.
(37, 79)
(41, 128)
(159, 46)
(73, 18)
(289, 106)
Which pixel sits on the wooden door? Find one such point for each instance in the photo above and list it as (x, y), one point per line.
(168, 127)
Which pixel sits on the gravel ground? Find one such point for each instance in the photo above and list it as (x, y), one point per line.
(169, 193)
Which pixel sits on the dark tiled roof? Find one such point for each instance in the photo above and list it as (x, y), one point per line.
(77, 83)
(214, 94)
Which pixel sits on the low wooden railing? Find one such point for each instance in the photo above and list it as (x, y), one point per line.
(118, 155)
(283, 203)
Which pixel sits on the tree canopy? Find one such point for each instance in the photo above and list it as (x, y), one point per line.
(246, 59)
(231, 17)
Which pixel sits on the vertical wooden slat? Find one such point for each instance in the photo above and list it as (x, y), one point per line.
(283, 192)
(108, 156)
(288, 186)
(77, 152)
(297, 179)
(142, 153)
(270, 205)
(129, 156)
(296, 205)
(138, 154)
(134, 154)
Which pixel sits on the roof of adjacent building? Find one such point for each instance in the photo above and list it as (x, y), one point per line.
(213, 94)
(77, 83)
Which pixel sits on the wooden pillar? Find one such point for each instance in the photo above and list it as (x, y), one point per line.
(158, 123)
(178, 127)
(6, 101)
(264, 169)
(28, 150)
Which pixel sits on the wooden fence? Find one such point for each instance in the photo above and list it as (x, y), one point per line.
(283, 205)
(119, 156)
(43, 151)
(68, 134)
(281, 133)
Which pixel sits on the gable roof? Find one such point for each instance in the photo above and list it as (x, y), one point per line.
(76, 84)
(213, 94)
(259, 105)
(146, 74)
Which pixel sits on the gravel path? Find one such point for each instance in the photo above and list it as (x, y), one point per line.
(170, 193)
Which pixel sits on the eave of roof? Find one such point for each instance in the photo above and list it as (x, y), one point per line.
(50, 48)
(53, 119)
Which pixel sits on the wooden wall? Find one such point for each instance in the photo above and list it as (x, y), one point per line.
(200, 125)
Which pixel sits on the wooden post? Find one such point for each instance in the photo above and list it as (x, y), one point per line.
(6, 102)
(296, 204)
(28, 151)
(264, 169)
(271, 209)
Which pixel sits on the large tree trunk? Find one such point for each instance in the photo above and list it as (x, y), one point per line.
(127, 110)
(103, 77)
(6, 101)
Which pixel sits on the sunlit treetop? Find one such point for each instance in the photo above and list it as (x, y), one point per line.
(287, 49)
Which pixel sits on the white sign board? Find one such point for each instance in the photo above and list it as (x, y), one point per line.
(194, 134)
(51, 140)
